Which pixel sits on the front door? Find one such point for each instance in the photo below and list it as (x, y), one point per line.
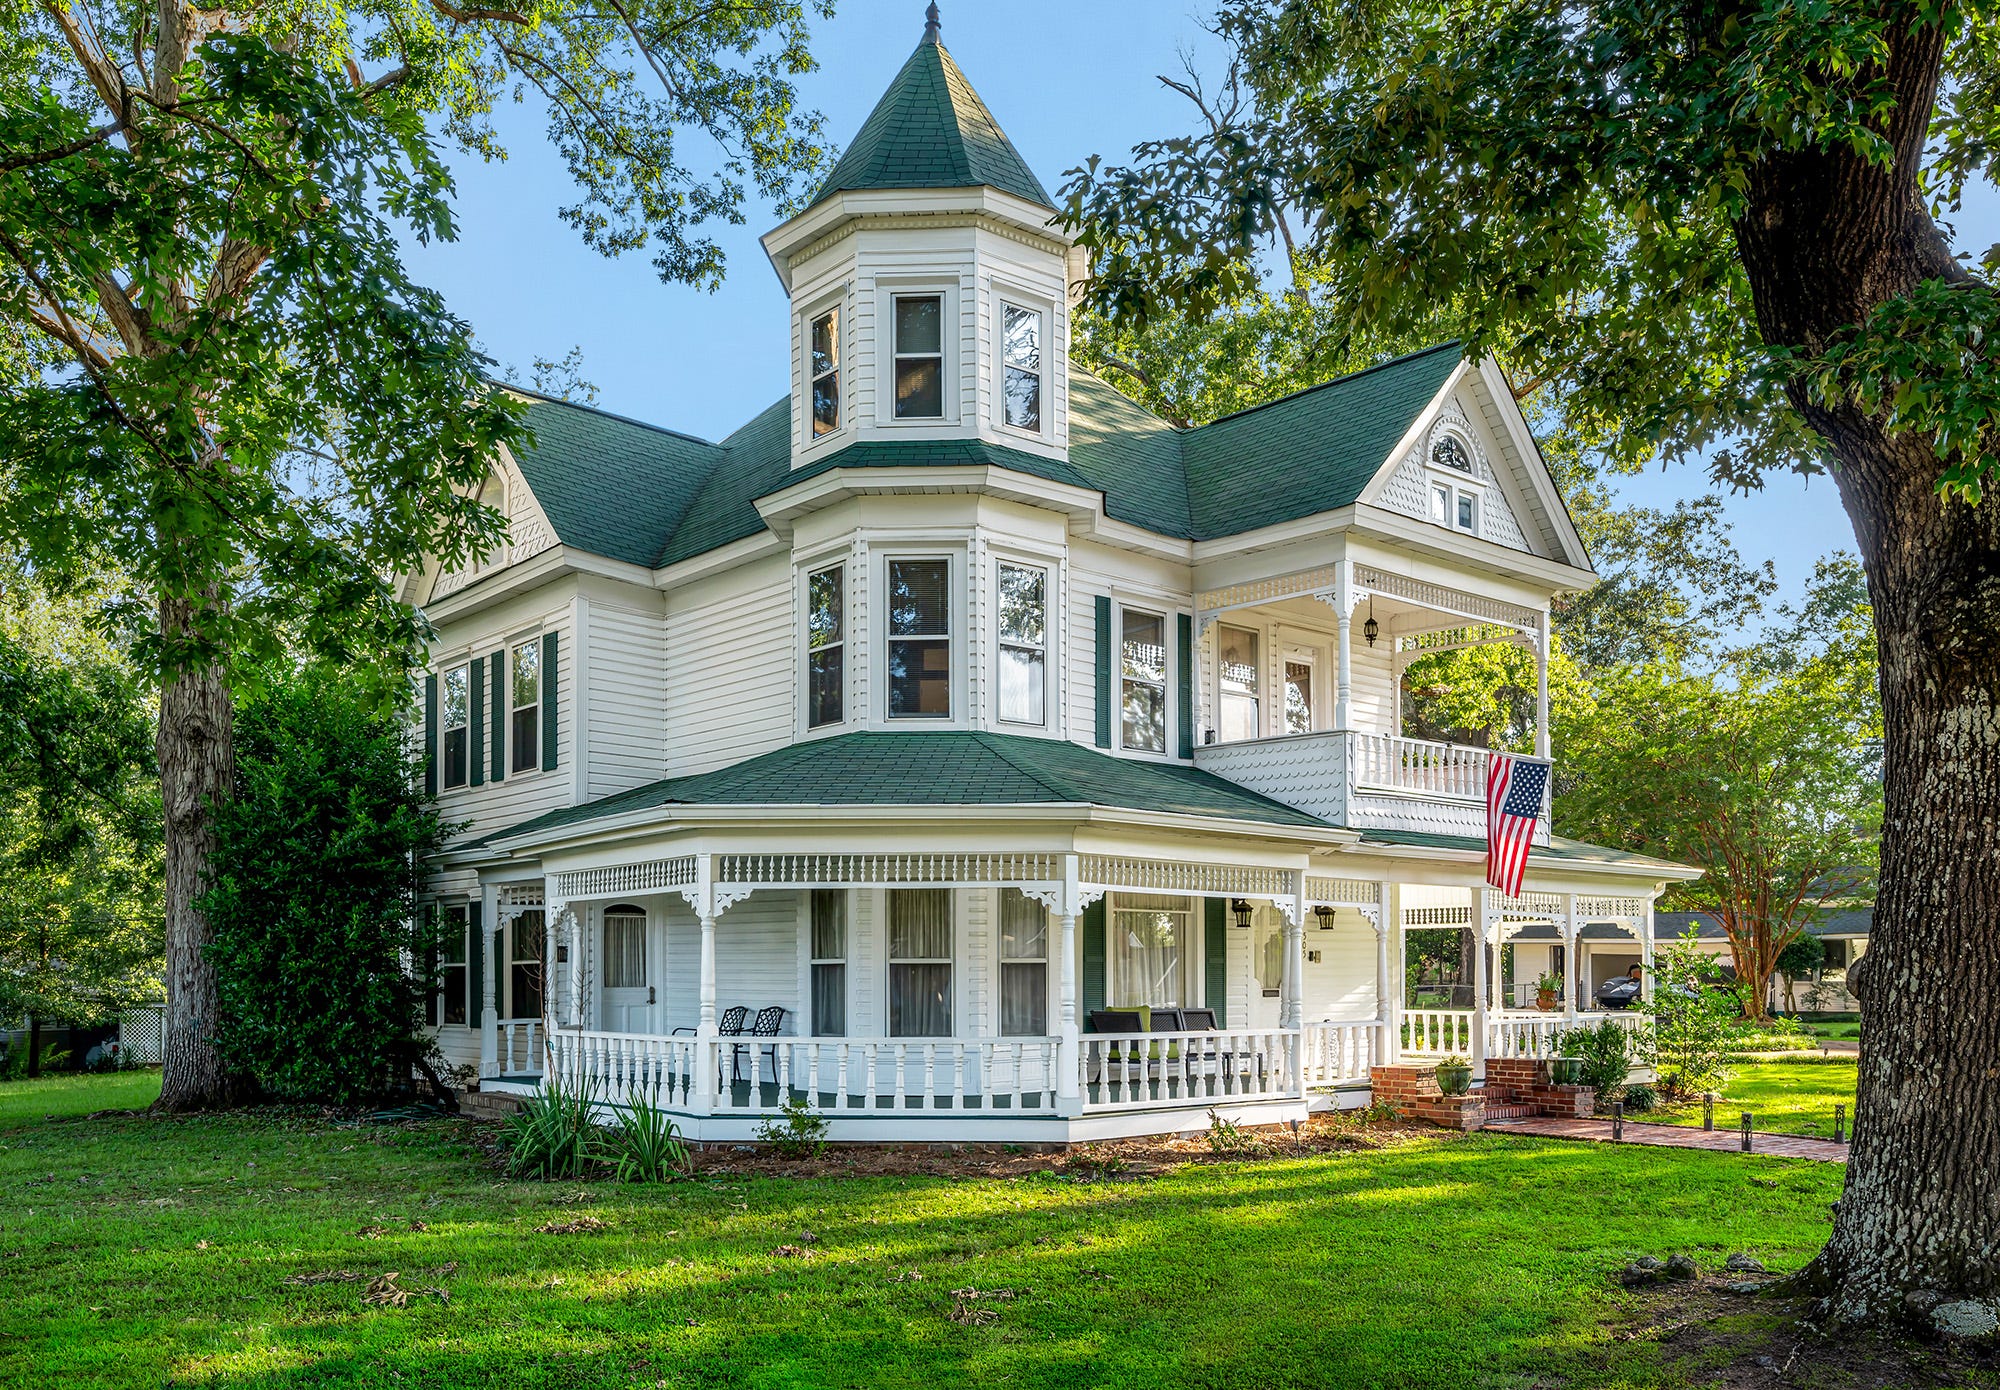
(628, 989)
(1267, 967)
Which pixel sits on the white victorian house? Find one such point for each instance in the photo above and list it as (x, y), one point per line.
(1030, 769)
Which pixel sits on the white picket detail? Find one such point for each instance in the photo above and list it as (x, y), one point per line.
(1340, 1053)
(1438, 1032)
(1154, 1071)
(837, 1076)
(520, 1047)
(1534, 1035)
(617, 1065)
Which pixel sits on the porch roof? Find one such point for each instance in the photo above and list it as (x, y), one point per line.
(934, 770)
(1560, 848)
(1853, 922)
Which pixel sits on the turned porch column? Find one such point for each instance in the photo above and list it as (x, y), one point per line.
(1480, 1008)
(1069, 1053)
(492, 928)
(1572, 979)
(1343, 680)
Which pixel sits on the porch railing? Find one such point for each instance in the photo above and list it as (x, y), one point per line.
(1339, 1054)
(621, 1064)
(1417, 765)
(1438, 1032)
(840, 1075)
(1156, 1071)
(519, 1043)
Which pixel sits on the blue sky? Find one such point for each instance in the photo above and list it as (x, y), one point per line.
(1065, 80)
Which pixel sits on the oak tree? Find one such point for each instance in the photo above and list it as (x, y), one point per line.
(1713, 230)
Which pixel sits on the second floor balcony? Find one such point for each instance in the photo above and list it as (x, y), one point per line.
(1300, 697)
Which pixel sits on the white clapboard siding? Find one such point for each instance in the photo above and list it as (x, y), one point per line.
(756, 959)
(1080, 657)
(730, 671)
(1341, 983)
(628, 729)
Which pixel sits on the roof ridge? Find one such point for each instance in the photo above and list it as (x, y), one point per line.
(547, 399)
(1342, 380)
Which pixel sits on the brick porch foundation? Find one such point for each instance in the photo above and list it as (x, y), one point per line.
(1514, 1086)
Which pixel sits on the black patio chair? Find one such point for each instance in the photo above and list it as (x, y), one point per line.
(769, 1022)
(731, 1025)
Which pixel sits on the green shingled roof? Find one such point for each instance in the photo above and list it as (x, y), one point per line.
(653, 497)
(936, 770)
(1559, 847)
(931, 130)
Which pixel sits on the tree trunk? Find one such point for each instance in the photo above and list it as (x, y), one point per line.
(34, 1047)
(1826, 237)
(197, 766)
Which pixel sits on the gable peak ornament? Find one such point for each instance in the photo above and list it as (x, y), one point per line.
(931, 25)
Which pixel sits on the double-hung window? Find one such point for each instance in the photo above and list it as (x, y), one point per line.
(829, 962)
(1021, 364)
(525, 970)
(1024, 635)
(919, 639)
(526, 674)
(825, 370)
(826, 646)
(1151, 941)
(919, 962)
(1237, 680)
(1024, 965)
(457, 734)
(919, 355)
(454, 978)
(1143, 685)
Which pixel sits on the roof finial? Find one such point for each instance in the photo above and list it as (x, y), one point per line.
(931, 23)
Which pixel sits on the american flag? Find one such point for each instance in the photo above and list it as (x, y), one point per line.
(1513, 804)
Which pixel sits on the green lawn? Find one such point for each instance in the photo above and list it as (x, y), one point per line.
(142, 1252)
(32, 1102)
(1782, 1097)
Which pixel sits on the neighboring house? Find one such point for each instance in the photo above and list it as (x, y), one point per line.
(955, 699)
(1843, 931)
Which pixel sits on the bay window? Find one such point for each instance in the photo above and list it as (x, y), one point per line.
(825, 373)
(1150, 945)
(1023, 644)
(919, 639)
(1021, 362)
(919, 356)
(457, 717)
(1237, 681)
(920, 962)
(1024, 965)
(527, 706)
(1143, 686)
(826, 646)
(828, 930)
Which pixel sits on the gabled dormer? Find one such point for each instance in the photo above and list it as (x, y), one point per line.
(929, 290)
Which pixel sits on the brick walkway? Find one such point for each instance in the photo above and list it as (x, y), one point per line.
(1678, 1137)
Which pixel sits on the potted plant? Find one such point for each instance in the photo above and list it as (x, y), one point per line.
(1454, 1075)
(1547, 987)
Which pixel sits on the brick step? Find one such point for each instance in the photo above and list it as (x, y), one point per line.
(1500, 1111)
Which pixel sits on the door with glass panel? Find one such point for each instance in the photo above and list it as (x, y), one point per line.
(1301, 712)
(627, 999)
(1267, 966)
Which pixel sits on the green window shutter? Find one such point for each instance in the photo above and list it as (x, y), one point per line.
(1093, 959)
(1103, 671)
(475, 966)
(497, 665)
(431, 735)
(548, 699)
(1185, 630)
(1215, 958)
(475, 758)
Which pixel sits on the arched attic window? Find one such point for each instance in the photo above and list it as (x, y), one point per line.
(493, 493)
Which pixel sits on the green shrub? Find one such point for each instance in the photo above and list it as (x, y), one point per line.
(554, 1135)
(323, 962)
(798, 1131)
(645, 1145)
(1694, 1027)
(1229, 1139)
(1640, 1099)
(1606, 1052)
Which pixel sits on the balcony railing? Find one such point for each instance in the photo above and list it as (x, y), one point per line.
(1367, 780)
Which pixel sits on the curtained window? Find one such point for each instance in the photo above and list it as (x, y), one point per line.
(829, 962)
(524, 966)
(1024, 965)
(919, 962)
(624, 948)
(1150, 944)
